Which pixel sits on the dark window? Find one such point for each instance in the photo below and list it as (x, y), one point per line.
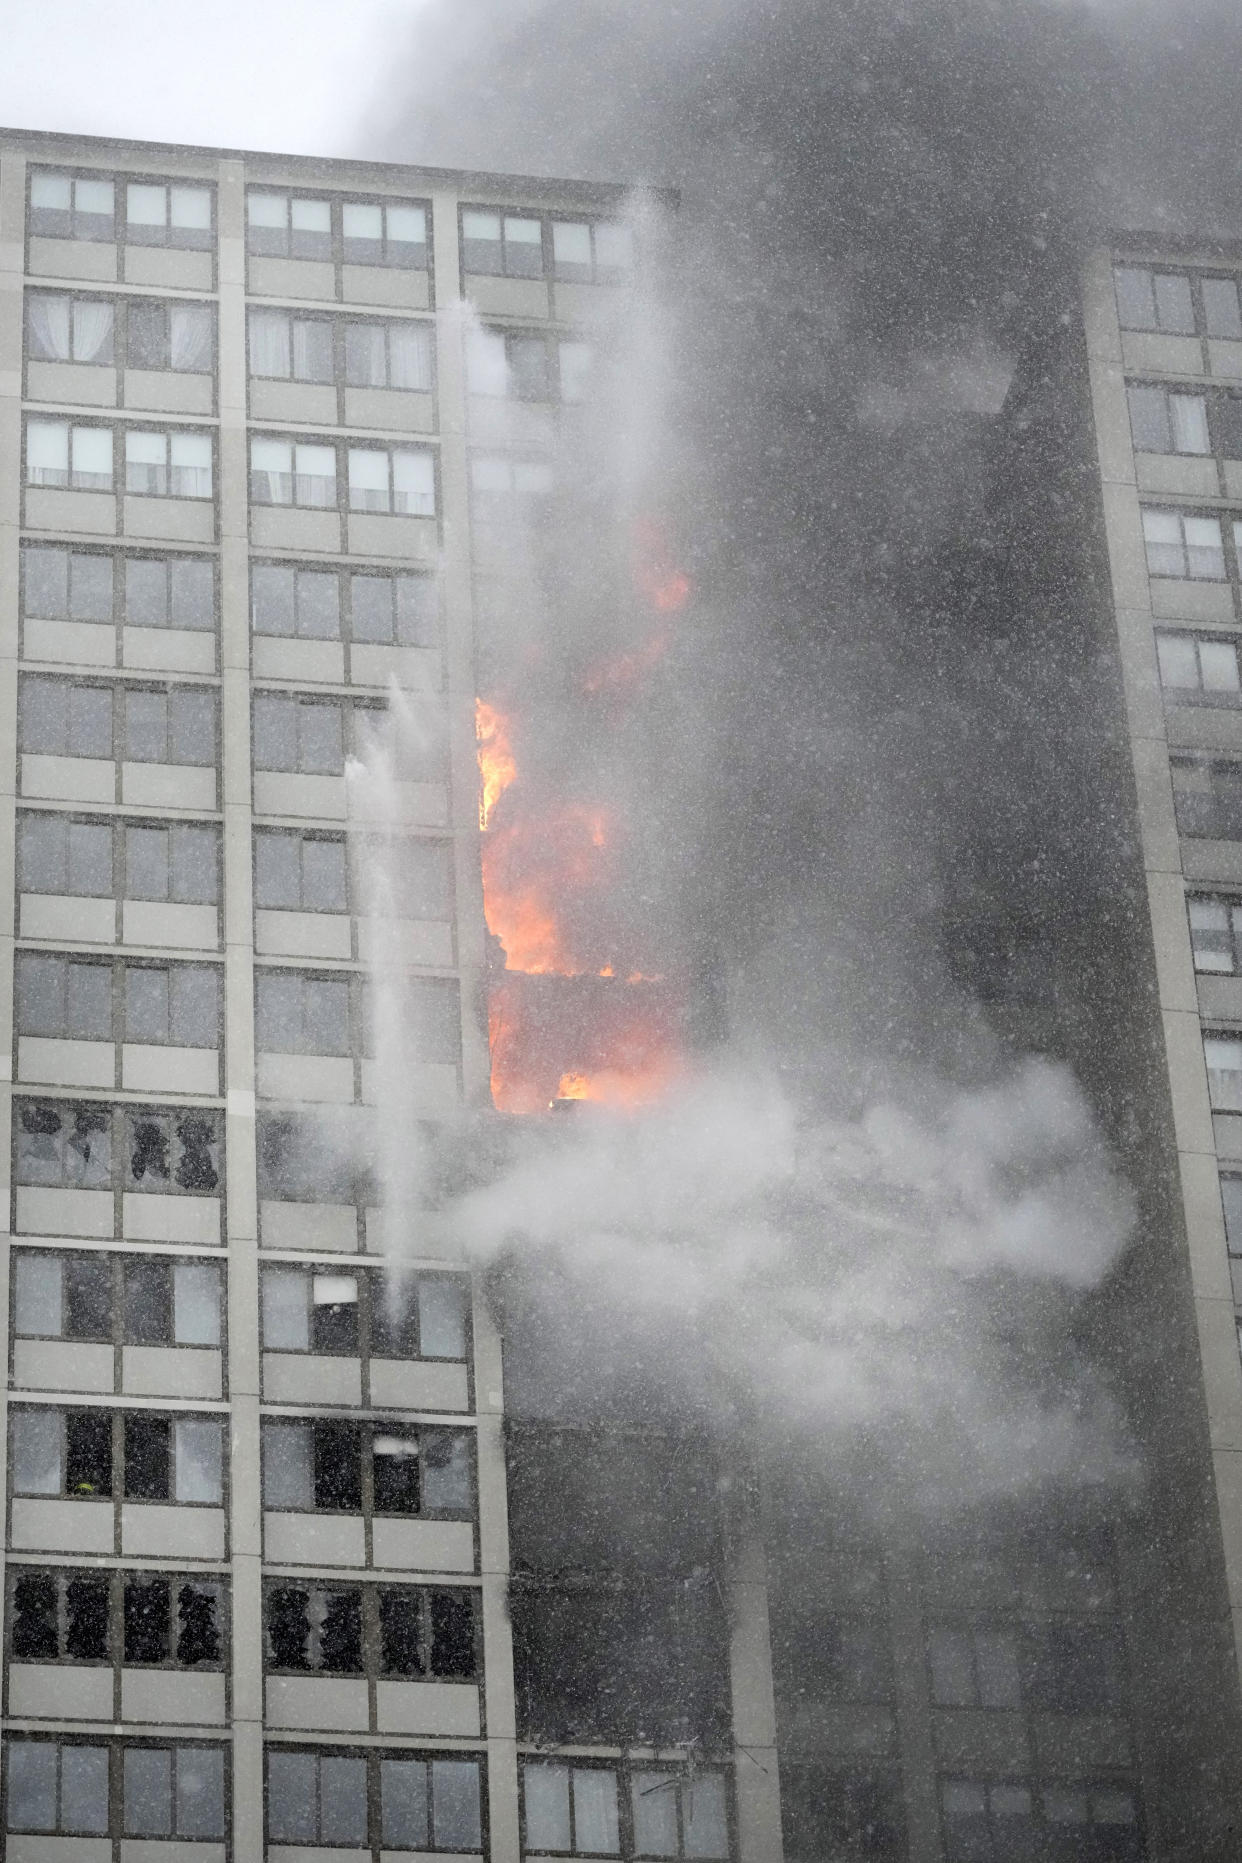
(88, 1452)
(337, 1466)
(148, 1620)
(148, 1451)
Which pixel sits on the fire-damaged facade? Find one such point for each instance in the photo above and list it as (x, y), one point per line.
(312, 1560)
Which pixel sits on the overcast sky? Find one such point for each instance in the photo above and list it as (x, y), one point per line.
(297, 75)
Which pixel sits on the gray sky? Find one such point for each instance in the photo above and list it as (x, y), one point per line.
(298, 75)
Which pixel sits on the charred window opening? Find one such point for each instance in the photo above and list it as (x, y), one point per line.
(407, 1630)
(641, 1663)
(87, 1617)
(148, 1447)
(831, 1813)
(88, 1452)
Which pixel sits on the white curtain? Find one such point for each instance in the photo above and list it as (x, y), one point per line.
(414, 483)
(49, 328)
(365, 365)
(191, 465)
(368, 479)
(92, 332)
(189, 338)
(316, 475)
(269, 344)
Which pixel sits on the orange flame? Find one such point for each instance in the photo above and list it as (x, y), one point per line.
(497, 768)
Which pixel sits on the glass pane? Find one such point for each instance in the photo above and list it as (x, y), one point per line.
(407, 226)
(595, 1809)
(323, 875)
(271, 594)
(88, 1002)
(1149, 419)
(193, 594)
(191, 465)
(327, 1015)
(414, 483)
(1205, 556)
(36, 1452)
(614, 248)
(84, 1789)
(90, 721)
(191, 331)
(1220, 307)
(278, 1013)
(409, 356)
(267, 210)
(145, 205)
(343, 1801)
(90, 588)
(90, 859)
(194, 1013)
(546, 1795)
(42, 854)
(360, 220)
(196, 1303)
(146, 1004)
(703, 1816)
(1136, 303)
(51, 191)
(311, 216)
(47, 327)
(194, 876)
(442, 1319)
(318, 605)
(571, 249)
(1218, 661)
(47, 452)
(949, 1653)
(36, 1299)
(146, 593)
(286, 1315)
(292, 1797)
(45, 583)
(1174, 310)
(1163, 537)
(190, 209)
(200, 1792)
(146, 727)
(371, 605)
(286, 1465)
(403, 1797)
(192, 728)
(197, 1444)
(455, 1804)
(1224, 1065)
(40, 994)
(368, 479)
(446, 1471)
(146, 863)
(417, 611)
(32, 1782)
(575, 362)
(1190, 428)
(312, 350)
(366, 360)
(1231, 1197)
(315, 468)
(148, 1791)
(523, 247)
(996, 1662)
(278, 871)
(475, 225)
(654, 1799)
(321, 744)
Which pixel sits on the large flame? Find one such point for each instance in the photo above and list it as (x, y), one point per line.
(497, 768)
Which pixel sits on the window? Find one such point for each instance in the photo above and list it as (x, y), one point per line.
(130, 1301)
(1220, 307)
(392, 234)
(1074, 1668)
(368, 1630)
(175, 1791)
(297, 1014)
(170, 592)
(59, 718)
(591, 253)
(302, 735)
(517, 365)
(299, 873)
(595, 1811)
(177, 865)
(371, 233)
(288, 227)
(1162, 421)
(993, 1821)
(64, 329)
(388, 355)
(974, 1668)
(56, 1785)
(1216, 935)
(508, 490)
(501, 244)
(283, 472)
(67, 1147)
(575, 362)
(165, 1791)
(1179, 545)
(71, 206)
(818, 1656)
(157, 214)
(305, 1310)
(75, 1454)
(72, 999)
(177, 725)
(289, 348)
(302, 604)
(295, 1165)
(170, 336)
(983, 1822)
(1148, 300)
(76, 457)
(1231, 1199)
(168, 465)
(345, 1467)
(1207, 797)
(163, 1622)
(66, 585)
(1090, 1824)
(1223, 1055)
(393, 611)
(400, 1801)
(56, 854)
(401, 480)
(1199, 666)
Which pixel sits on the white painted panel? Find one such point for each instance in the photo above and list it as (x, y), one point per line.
(432, 1086)
(157, 265)
(404, 411)
(168, 785)
(385, 284)
(70, 643)
(61, 1526)
(423, 1545)
(42, 1211)
(46, 1690)
(72, 258)
(62, 1365)
(169, 1850)
(302, 934)
(163, 1695)
(173, 390)
(336, 1702)
(419, 1384)
(374, 533)
(183, 928)
(331, 1226)
(292, 278)
(48, 508)
(446, 1708)
(81, 921)
(169, 649)
(420, 805)
(417, 669)
(507, 297)
(281, 527)
(151, 1529)
(153, 1216)
(307, 1077)
(58, 1849)
(420, 941)
(174, 520)
(312, 403)
(277, 792)
(147, 1068)
(66, 1063)
(313, 1539)
(312, 660)
(171, 1371)
(311, 1378)
(68, 779)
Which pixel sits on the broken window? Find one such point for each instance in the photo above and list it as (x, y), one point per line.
(308, 1310)
(62, 1296)
(178, 1459)
(59, 1617)
(172, 1151)
(412, 1470)
(66, 1452)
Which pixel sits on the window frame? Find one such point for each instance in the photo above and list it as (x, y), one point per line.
(120, 433)
(118, 1416)
(346, 636)
(121, 181)
(119, 967)
(116, 1826)
(336, 255)
(119, 1121)
(117, 1578)
(120, 617)
(373, 1758)
(1196, 277)
(1221, 697)
(121, 309)
(365, 1430)
(120, 689)
(370, 1594)
(371, 1333)
(627, 1774)
(117, 1264)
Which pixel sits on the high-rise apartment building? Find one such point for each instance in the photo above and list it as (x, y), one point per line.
(293, 1565)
